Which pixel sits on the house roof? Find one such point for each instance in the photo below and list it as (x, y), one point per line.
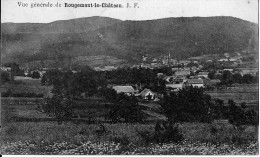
(195, 81)
(145, 91)
(174, 85)
(124, 89)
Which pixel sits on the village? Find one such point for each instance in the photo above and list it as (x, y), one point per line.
(208, 71)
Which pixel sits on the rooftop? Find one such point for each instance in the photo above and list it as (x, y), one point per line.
(124, 89)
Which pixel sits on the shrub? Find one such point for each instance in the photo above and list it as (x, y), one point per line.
(5, 76)
(239, 115)
(44, 80)
(126, 110)
(36, 74)
(165, 132)
(190, 104)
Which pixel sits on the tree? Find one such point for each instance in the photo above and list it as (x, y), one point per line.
(84, 82)
(247, 78)
(211, 75)
(44, 79)
(36, 74)
(227, 77)
(188, 105)
(238, 78)
(60, 104)
(239, 115)
(5, 76)
(126, 110)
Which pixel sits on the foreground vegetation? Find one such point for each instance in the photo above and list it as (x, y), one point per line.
(199, 138)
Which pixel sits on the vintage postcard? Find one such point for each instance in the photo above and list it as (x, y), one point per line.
(129, 77)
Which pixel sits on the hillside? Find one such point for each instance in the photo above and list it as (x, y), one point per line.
(182, 37)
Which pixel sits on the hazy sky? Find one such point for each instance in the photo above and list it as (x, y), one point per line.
(148, 9)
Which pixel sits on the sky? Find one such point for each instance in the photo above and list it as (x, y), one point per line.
(148, 9)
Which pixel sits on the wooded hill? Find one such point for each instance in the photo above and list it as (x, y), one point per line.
(181, 37)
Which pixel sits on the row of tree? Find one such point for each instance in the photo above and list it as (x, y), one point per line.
(227, 78)
(193, 105)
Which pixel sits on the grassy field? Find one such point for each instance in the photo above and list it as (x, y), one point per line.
(242, 93)
(26, 85)
(21, 137)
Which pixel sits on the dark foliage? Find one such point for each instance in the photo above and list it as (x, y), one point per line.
(189, 105)
(165, 132)
(60, 105)
(126, 110)
(44, 79)
(36, 74)
(239, 115)
(5, 76)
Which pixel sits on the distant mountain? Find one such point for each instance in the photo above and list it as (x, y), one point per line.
(181, 37)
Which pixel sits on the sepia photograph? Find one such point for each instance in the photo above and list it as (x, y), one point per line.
(129, 77)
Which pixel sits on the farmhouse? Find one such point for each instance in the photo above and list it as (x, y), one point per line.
(128, 90)
(147, 94)
(196, 82)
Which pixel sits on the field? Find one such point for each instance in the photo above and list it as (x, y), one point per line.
(241, 93)
(25, 85)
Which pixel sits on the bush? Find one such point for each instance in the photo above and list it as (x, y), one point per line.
(126, 110)
(190, 104)
(36, 74)
(44, 80)
(239, 115)
(165, 132)
(5, 76)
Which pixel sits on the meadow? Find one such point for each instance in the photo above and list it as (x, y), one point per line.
(47, 137)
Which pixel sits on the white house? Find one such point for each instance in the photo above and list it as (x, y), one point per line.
(147, 94)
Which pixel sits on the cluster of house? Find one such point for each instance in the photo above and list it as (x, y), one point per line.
(145, 94)
(176, 82)
(232, 59)
(180, 80)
